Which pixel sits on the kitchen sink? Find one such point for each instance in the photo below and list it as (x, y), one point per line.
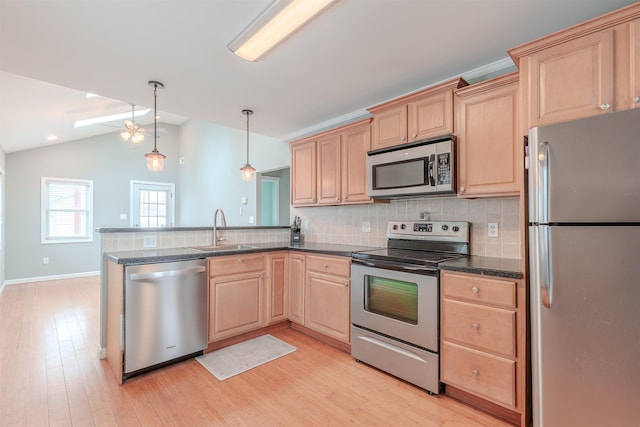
(222, 248)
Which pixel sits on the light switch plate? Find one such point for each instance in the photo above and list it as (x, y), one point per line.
(366, 227)
(150, 241)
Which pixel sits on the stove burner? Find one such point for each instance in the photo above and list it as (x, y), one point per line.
(421, 243)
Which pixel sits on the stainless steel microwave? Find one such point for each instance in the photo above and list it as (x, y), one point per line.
(411, 170)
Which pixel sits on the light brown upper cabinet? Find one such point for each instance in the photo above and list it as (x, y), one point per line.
(585, 70)
(303, 172)
(421, 115)
(488, 144)
(330, 168)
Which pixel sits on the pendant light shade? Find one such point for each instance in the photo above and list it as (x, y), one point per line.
(155, 159)
(247, 170)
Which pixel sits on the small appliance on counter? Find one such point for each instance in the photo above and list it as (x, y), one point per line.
(296, 234)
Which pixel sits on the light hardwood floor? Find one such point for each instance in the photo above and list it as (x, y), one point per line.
(50, 375)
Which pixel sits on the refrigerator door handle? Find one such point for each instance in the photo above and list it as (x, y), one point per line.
(545, 280)
(542, 214)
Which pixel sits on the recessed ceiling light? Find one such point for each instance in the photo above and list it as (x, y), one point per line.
(51, 137)
(111, 118)
(92, 95)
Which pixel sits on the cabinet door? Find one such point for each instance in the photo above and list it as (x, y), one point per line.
(634, 28)
(303, 173)
(277, 273)
(327, 305)
(329, 173)
(235, 304)
(390, 128)
(430, 116)
(571, 80)
(488, 142)
(355, 144)
(296, 287)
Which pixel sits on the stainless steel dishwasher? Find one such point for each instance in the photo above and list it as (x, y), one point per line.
(165, 314)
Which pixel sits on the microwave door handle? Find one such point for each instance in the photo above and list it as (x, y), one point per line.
(432, 180)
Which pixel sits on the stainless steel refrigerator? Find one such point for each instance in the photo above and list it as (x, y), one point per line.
(584, 253)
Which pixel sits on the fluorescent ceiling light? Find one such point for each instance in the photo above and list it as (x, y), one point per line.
(51, 137)
(111, 118)
(281, 19)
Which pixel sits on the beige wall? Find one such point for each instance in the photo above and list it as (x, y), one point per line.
(343, 224)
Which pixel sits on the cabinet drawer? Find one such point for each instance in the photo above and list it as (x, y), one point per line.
(233, 264)
(479, 289)
(485, 328)
(339, 266)
(480, 373)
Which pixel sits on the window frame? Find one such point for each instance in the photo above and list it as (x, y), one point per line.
(45, 184)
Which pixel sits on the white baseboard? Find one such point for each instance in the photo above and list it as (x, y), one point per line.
(47, 278)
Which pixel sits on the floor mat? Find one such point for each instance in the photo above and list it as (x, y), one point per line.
(238, 358)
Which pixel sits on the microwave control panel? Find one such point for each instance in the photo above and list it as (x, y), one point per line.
(443, 172)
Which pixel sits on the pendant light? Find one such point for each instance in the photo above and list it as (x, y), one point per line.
(247, 170)
(155, 159)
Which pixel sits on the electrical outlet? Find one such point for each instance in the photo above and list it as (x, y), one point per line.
(366, 227)
(150, 241)
(492, 229)
(45, 260)
(424, 216)
(123, 216)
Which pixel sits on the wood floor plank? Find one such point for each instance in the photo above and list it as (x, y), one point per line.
(50, 375)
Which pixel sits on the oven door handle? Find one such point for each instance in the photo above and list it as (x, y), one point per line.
(391, 265)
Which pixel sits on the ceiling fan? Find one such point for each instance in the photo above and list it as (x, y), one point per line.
(132, 130)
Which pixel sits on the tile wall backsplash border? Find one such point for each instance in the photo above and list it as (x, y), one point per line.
(343, 224)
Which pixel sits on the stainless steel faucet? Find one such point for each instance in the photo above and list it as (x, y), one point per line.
(215, 226)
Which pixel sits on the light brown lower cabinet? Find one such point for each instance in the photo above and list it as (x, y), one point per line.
(277, 283)
(483, 352)
(236, 295)
(295, 292)
(319, 290)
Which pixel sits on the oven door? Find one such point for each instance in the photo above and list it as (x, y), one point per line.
(400, 304)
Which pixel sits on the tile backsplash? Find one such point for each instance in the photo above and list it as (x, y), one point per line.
(343, 224)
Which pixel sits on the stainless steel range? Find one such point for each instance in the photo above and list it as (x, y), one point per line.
(395, 299)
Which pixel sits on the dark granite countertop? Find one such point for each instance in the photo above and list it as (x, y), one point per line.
(164, 229)
(488, 266)
(150, 256)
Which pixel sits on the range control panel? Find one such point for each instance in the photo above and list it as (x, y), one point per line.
(453, 231)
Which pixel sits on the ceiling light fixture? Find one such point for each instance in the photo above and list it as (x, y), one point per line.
(247, 170)
(131, 129)
(277, 22)
(155, 159)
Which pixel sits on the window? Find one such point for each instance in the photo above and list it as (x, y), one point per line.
(67, 210)
(152, 204)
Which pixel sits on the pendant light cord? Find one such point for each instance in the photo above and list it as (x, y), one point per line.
(155, 116)
(247, 113)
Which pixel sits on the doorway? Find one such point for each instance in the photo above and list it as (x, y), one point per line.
(273, 197)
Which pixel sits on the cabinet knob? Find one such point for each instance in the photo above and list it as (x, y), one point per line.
(414, 135)
(475, 290)
(463, 189)
(636, 99)
(325, 266)
(346, 284)
(402, 138)
(337, 199)
(475, 372)
(605, 106)
(239, 261)
(475, 326)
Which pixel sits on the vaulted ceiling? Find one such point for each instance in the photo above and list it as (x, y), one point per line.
(357, 54)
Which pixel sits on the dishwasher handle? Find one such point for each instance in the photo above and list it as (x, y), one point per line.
(168, 273)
